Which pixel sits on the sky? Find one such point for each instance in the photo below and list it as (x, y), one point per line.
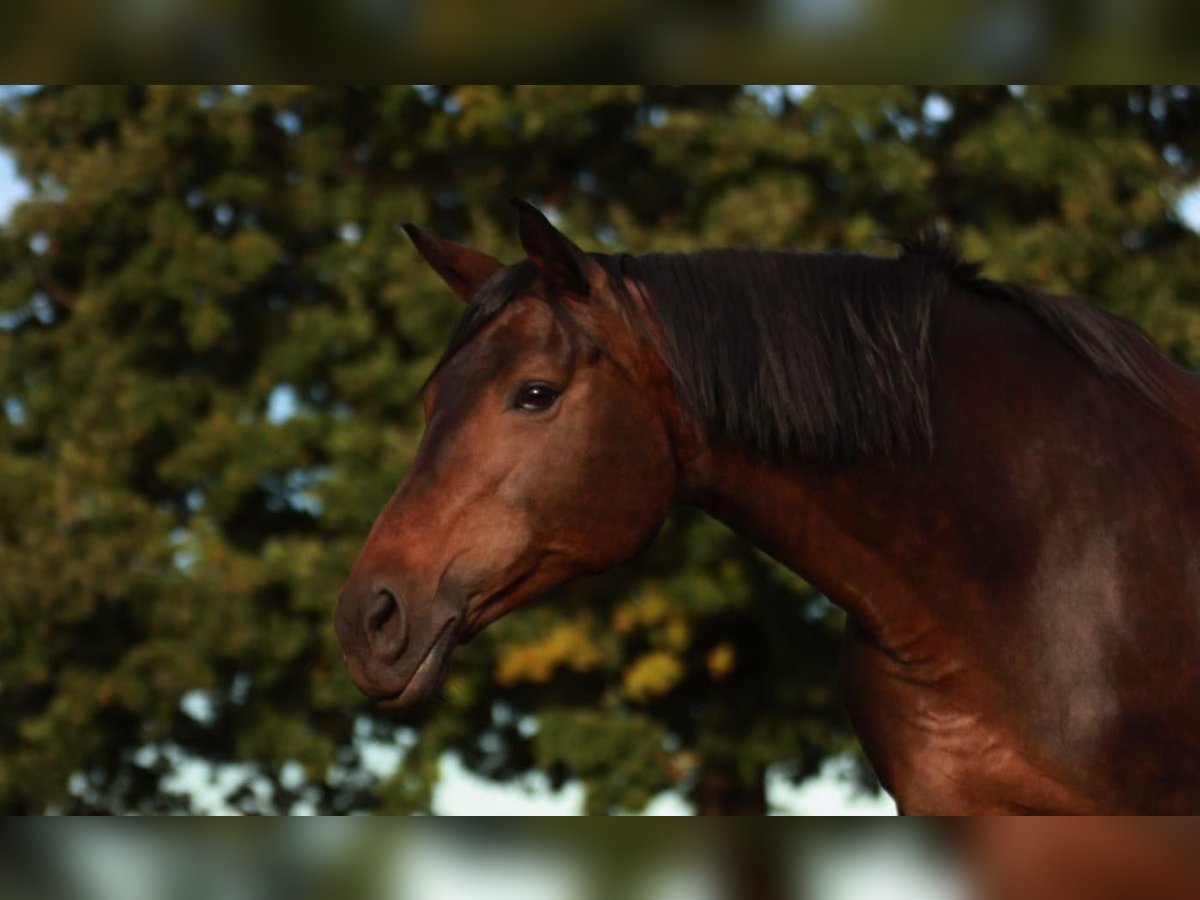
(12, 189)
(830, 794)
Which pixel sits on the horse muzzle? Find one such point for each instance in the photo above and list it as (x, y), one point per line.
(397, 652)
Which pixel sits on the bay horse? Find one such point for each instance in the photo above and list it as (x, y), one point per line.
(999, 485)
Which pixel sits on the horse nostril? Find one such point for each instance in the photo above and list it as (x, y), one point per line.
(386, 624)
(380, 609)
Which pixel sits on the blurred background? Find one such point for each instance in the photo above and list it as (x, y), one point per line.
(662, 40)
(997, 858)
(212, 335)
(362, 859)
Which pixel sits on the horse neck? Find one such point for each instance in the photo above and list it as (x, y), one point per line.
(900, 544)
(866, 534)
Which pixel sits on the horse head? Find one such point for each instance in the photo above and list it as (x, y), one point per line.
(548, 452)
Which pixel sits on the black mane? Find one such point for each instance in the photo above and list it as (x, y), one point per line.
(822, 356)
(817, 355)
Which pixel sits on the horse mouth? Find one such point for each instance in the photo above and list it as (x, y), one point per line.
(430, 672)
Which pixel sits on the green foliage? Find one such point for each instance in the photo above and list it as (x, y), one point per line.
(212, 333)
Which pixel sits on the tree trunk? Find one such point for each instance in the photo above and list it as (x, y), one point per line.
(719, 792)
(749, 866)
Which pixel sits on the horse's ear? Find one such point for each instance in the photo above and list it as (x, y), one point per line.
(461, 267)
(552, 251)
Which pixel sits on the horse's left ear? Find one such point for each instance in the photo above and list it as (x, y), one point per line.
(553, 252)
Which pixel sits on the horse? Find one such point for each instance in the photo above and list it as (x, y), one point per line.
(999, 485)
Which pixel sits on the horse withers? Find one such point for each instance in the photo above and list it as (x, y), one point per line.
(1000, 486)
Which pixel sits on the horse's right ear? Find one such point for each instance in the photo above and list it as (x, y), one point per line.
(552, 251)
(462, 268)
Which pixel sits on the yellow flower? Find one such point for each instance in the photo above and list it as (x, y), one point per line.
(652, 675)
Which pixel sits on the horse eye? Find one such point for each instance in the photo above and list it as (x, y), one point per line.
(535, 397)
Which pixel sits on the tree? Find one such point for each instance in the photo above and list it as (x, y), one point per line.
(212, 333)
